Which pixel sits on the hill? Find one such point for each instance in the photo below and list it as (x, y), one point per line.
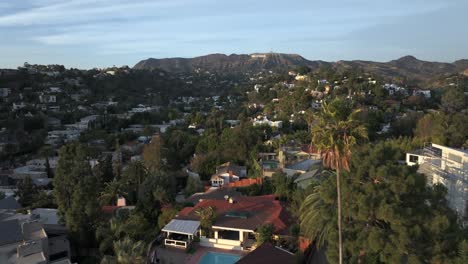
(408, 68)
(233, 62)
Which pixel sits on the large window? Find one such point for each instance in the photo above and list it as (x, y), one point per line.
(228, 234)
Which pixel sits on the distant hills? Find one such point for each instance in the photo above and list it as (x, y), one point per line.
(407, 67)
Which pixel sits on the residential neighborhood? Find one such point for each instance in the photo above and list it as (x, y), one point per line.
(240, 176)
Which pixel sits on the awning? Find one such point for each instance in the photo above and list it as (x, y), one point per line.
(185, 227)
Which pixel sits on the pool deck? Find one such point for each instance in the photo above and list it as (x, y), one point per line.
(201, 251)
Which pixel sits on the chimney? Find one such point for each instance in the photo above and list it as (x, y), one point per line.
(121, 201)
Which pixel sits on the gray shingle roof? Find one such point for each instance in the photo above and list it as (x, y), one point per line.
(9, 203)
(10, 232)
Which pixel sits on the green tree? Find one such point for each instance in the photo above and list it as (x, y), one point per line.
(128, 251)
(207, 216)
(453, 99)
(193, 185)
(104, 171)
(391, 215)
(152, 155)
(265, 233)
(76, 193)
(167, 214)
(112, 191)
(334, 134)
(133, 177)
(26, 192)
(283, 186)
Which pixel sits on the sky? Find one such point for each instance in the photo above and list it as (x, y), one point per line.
(101, 33)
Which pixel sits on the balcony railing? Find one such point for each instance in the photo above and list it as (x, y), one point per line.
(175, 243)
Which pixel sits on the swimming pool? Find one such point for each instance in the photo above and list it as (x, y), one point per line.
(218, 258)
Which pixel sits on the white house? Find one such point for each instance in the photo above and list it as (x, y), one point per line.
(236, 222)
(425, 93)
(447, 166)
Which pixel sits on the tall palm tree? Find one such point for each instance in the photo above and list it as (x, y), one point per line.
(128, 251)
(334, 134)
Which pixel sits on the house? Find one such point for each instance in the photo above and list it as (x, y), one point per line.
(446, 166)
(222, 179)
(47, 98)
(307, 178)
(236, 222)
(24, 240)
(292, 155)
(425, 93)
(268, 253)
(262, 121)
(232, 123)
(227, 173)
(28, 171)
(55, 89)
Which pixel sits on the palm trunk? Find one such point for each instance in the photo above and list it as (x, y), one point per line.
(338, 190)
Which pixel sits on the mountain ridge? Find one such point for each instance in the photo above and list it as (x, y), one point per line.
(407, 67)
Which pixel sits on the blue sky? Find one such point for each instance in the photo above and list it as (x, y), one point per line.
(99, 33)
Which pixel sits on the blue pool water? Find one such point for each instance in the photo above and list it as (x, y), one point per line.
(218, 258)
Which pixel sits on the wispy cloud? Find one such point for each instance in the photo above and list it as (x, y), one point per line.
(190, 27)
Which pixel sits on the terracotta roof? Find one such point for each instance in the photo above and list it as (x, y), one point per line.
(247, 212)
(109, 209)
(267, 253)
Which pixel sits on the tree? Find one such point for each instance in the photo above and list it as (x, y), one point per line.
(133, 177)
(432, 127)
(104, 170)
(128, 251)
(391, 213)
(112, 191)
(152, 155)
(265, 233)
(283, 185)
(453, 99)
(193, 185)
(167, 214)
(26, 192)
(76, 192)
(334, 134)
(207, 216)
(48, 170)
(117, 163)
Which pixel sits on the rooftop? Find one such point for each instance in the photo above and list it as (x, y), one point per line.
(267, 253)
(11, 232)
(186, 227)
(246, 212)
(9, 203)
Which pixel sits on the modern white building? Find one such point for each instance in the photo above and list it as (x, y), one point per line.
(447, 166)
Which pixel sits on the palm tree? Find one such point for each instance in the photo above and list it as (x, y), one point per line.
(111, 191)
(334, 134)
(128, 251)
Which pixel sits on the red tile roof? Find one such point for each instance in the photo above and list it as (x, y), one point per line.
(247, 212)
